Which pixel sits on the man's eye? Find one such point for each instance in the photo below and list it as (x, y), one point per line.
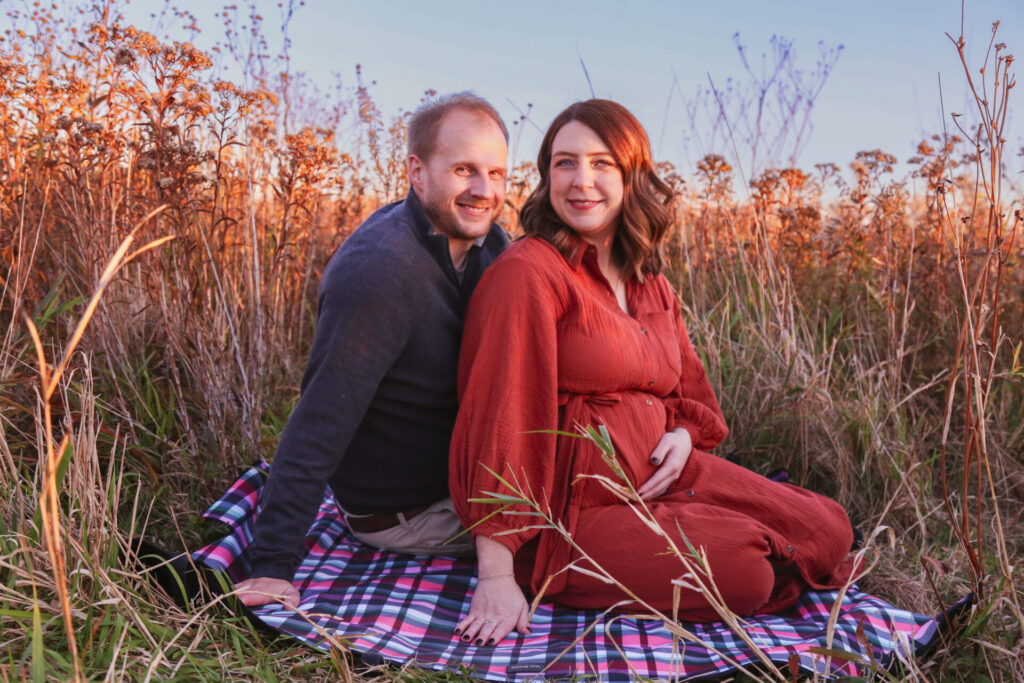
(497, 174)
(462, 170)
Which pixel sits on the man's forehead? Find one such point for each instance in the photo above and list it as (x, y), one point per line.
(469, 138)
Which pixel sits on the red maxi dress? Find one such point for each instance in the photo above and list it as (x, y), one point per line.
(546, 347)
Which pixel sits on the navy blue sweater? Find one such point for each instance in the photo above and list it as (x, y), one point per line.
(378, 403)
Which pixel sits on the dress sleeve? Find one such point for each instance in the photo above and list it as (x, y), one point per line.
(508, 390)
(692, 404)
(351, 352)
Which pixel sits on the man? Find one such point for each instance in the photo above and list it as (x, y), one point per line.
(378, 401)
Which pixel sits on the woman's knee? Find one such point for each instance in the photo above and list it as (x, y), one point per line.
(747, 586)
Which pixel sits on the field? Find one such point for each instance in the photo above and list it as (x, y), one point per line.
(162, 235)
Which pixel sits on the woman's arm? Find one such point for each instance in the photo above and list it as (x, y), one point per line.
(508, 398)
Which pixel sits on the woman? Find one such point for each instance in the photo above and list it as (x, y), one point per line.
(575, 326)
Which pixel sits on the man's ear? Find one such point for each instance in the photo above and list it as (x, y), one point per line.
(414, 169)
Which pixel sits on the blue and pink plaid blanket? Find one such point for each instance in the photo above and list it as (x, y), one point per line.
(404, 608)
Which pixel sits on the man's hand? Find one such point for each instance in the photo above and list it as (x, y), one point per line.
(262, 591)
(672, 453)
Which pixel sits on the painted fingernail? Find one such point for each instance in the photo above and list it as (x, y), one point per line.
(479, 641)
(465, 639)
(491, 641)
(654, 460)
(458, 631)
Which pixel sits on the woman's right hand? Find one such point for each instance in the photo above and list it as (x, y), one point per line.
(498, 605)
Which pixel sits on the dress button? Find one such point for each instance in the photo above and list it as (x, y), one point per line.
(650, 402)
(643, 330)
(651, 383)
(690, 494)
(790, 548)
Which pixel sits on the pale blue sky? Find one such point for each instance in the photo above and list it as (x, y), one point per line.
(883, 91)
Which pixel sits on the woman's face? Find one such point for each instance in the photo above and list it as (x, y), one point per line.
(586, 183)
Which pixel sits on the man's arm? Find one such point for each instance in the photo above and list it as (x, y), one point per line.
(362, 326)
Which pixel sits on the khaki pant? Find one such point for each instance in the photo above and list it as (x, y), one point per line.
(435, 531)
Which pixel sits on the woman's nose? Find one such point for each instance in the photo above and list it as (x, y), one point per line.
(583, 177)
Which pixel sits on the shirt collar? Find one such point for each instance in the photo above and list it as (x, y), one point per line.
(577, 251)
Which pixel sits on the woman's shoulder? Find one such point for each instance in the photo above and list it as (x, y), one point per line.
(529, 257)
(528, 265)
(661, 291)
(531, 248)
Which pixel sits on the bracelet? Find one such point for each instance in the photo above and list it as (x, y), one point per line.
(496, 576)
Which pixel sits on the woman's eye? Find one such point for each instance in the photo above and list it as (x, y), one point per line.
(564, 163)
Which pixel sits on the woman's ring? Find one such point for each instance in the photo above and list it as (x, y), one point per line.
(489, 621)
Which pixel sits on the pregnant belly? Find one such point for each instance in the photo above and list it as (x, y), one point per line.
(635, 422)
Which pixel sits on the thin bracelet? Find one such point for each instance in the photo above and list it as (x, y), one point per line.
(496, 576)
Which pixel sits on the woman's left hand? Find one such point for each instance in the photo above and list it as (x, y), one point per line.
(671, 454)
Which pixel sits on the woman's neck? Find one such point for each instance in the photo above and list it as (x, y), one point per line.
(611, 271)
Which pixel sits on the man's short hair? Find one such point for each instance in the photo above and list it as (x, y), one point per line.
(427, 119)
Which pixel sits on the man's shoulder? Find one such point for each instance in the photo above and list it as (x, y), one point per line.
(382, 245)
(385, 234)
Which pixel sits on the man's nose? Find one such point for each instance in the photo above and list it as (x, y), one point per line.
(481, 186)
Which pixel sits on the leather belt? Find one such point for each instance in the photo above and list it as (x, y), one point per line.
(369, 524)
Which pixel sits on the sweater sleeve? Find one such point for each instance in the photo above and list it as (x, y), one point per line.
(508, 389)
(692, 404)
(361, 329)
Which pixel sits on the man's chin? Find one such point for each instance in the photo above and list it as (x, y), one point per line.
(468, 231)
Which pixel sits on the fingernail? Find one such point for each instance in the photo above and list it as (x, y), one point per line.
(654, 461)
(479, 641)
(465, 639)
(458, 631)
(491, 641)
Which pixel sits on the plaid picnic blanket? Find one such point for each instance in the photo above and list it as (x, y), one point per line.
(404, 608)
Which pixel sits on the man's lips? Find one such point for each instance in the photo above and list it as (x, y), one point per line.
(474, 209)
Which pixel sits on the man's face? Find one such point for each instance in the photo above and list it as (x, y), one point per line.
(462, 183)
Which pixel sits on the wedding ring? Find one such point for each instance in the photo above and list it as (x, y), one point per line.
(489, 621)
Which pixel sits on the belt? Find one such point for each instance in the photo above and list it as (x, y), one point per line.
(368, 524)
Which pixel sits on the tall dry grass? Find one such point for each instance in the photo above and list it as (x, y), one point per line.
(863, 330)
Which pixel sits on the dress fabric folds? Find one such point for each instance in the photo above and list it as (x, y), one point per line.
(546, 348)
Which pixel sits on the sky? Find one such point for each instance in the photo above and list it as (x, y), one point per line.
(653, 56)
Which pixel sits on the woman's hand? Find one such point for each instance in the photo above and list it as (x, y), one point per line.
(262, 591)
(672, 453)
(498, 604)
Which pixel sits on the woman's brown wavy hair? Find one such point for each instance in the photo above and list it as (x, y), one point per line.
(646, 199)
